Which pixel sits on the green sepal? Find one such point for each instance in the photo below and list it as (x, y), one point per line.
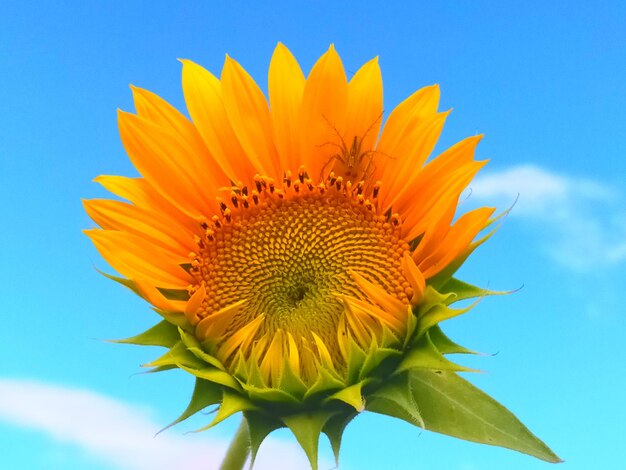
(424, 355)
(232, 403)
(175, 318)
(451, 405)
(351, 395)
(395, 398)
(464, 290)
(356, 359)
(444, 344)
(334, 429)
(193, 346)
(432, 298)
(162, 334)
(255, 377)
(436, 310)
(291, 383)
(375, 357)
(272, 395)
(174, 294)
(154, 370)
(259, 426)
(205, 394)
(128, 283)
(213, 375)
(326, 381)
(177, 355)
(307, 428)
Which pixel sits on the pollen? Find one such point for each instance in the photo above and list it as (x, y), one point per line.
(284, 260)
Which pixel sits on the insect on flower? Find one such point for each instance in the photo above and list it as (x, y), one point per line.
(352, 163)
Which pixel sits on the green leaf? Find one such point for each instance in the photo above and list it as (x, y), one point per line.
(451, 405)
(162, 334)
(395, 399)
(307, 428)
(174, 294)
(260, 426)
(205, 394)
(334, 429)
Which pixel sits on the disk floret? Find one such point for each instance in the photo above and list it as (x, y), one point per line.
(281, 261)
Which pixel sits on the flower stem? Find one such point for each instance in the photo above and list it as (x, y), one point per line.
(237, 453)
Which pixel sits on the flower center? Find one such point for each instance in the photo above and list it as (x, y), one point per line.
(288, 255)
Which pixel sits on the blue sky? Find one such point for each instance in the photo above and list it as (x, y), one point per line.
(544, 83)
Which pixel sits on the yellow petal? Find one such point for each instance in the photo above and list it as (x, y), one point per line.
(241, 339)
(194, 303)
(215, 324)
(414, 276)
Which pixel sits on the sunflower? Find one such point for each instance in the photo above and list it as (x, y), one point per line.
(300, 257)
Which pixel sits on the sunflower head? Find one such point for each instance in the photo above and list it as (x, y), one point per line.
(300, 257)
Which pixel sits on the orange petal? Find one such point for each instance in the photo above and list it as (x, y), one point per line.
(152, 295)
(143, 195)
(135, 258)
(203, 95)
(365, 105)
(117, 215)
(323, 112)
(286, 86)
(436, 197)
(403, 166)
(166, 161)
(153, 108)
(407, 115)
(249, 115)
(459, 237)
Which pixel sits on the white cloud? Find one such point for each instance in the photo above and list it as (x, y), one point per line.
(584, 220)
(122, 435)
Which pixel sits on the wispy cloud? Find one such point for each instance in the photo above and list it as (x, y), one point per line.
(119, 434)
(585, 221)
